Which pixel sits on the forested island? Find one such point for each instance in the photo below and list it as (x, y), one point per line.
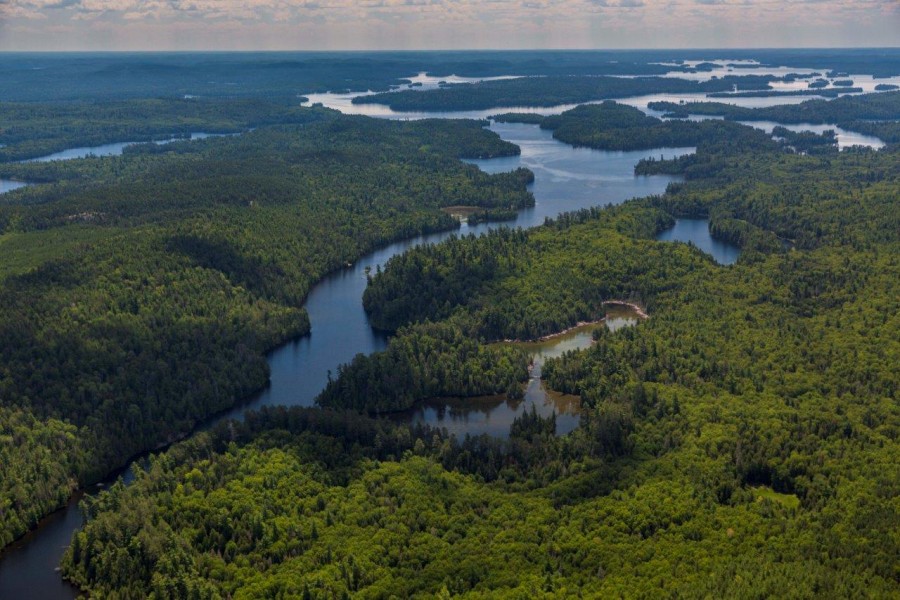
(871, 114)
(741, 441)
(612, 126)
(552, 91)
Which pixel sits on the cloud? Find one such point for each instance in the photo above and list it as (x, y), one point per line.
(156, 24)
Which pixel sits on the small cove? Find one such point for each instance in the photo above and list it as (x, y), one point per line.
(493, 415)
(696, 232)
(8, 185)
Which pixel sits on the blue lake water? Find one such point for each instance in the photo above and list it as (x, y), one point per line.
(696, 231)
(114, 149)
(566, 179)
(7, 185)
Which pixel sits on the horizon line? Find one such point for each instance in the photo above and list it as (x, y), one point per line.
(445, 50)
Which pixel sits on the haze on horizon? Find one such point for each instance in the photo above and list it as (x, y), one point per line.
(114, 25)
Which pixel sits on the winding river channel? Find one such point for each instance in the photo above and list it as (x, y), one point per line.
(566, 179)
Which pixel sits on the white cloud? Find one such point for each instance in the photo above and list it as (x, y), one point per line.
(142, 24)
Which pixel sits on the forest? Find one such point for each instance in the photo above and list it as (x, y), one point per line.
(429, 360)
(871, 114)
(32, 130)
(819, 91)
(738, 443)
(165, 274)
(613, 126)
(282, 76)
(552, 90)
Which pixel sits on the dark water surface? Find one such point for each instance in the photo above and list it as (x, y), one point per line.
(566, 179)
(696, 231)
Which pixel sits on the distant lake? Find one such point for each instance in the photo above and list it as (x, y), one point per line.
(114, 149)
(8, 185)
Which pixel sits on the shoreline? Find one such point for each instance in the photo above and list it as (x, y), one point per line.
(640, 312)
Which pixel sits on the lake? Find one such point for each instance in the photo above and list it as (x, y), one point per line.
(115, 149)
(8, 185)
(696, 231)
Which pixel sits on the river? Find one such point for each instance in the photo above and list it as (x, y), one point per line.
(566, 179)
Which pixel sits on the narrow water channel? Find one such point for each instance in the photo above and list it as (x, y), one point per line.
(566, 179)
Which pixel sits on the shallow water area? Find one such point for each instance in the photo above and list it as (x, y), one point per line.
(493, 415)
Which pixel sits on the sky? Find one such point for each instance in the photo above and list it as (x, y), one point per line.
(45, 25)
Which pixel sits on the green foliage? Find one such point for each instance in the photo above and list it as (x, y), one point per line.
(740, 442)
(38, 459)
(552, 90)
(849, 112)
(612, 126)
(426, 361)
(808, 141)
(514, 286)
(165, 274)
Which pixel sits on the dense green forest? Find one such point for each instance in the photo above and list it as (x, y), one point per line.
(46, 77)
(613, 126)
(429, 360)
(139, 293)
(33, 130)
(738, 443)
(552, 91)
(872, 114)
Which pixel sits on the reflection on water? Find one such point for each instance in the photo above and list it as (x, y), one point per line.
(8, 185)
(566, 179)
(696, 231)
(30, 565)
(618, 317)
(493, 415)
(845, 138)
